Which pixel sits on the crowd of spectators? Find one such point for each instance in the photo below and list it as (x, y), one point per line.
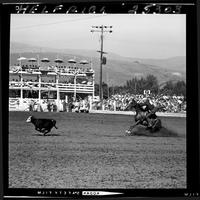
(72, 70)
(81, 80)
(166, 103)
(58, 69)
(117, 102)
(78, 105)
(172, 104)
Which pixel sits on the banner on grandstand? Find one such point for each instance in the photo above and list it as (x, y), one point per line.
(15, 69)
(14, 102)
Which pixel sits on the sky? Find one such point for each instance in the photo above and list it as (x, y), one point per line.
(155, 36)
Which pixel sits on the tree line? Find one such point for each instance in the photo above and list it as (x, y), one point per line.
(138, 85)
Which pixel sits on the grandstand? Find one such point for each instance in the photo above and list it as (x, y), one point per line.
(38, 85)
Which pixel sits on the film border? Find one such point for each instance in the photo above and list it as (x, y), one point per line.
(136, 7)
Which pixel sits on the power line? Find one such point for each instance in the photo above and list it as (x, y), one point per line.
(58, 22)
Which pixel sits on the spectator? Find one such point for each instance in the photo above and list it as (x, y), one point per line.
(49, 106)
(167, 103)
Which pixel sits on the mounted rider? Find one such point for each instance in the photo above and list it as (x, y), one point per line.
(150, 110)
(145, 115)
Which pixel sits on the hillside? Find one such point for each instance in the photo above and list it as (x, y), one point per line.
(117, 70)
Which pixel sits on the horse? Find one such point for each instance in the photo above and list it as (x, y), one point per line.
(140, 114)
(144, 118)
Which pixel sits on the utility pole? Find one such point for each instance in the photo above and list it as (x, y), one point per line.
(107, 84)
(102, 29)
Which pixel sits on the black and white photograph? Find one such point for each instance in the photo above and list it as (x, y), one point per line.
(97, 101)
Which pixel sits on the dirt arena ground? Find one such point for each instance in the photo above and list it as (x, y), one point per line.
(92, 151)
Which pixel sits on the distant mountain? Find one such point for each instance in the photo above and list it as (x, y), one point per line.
(176, 63)
(117, 70)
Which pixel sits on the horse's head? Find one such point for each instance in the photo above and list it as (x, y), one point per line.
(131, 104)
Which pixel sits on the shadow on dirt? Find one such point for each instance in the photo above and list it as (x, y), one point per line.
(163, 132)
(53, 134)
